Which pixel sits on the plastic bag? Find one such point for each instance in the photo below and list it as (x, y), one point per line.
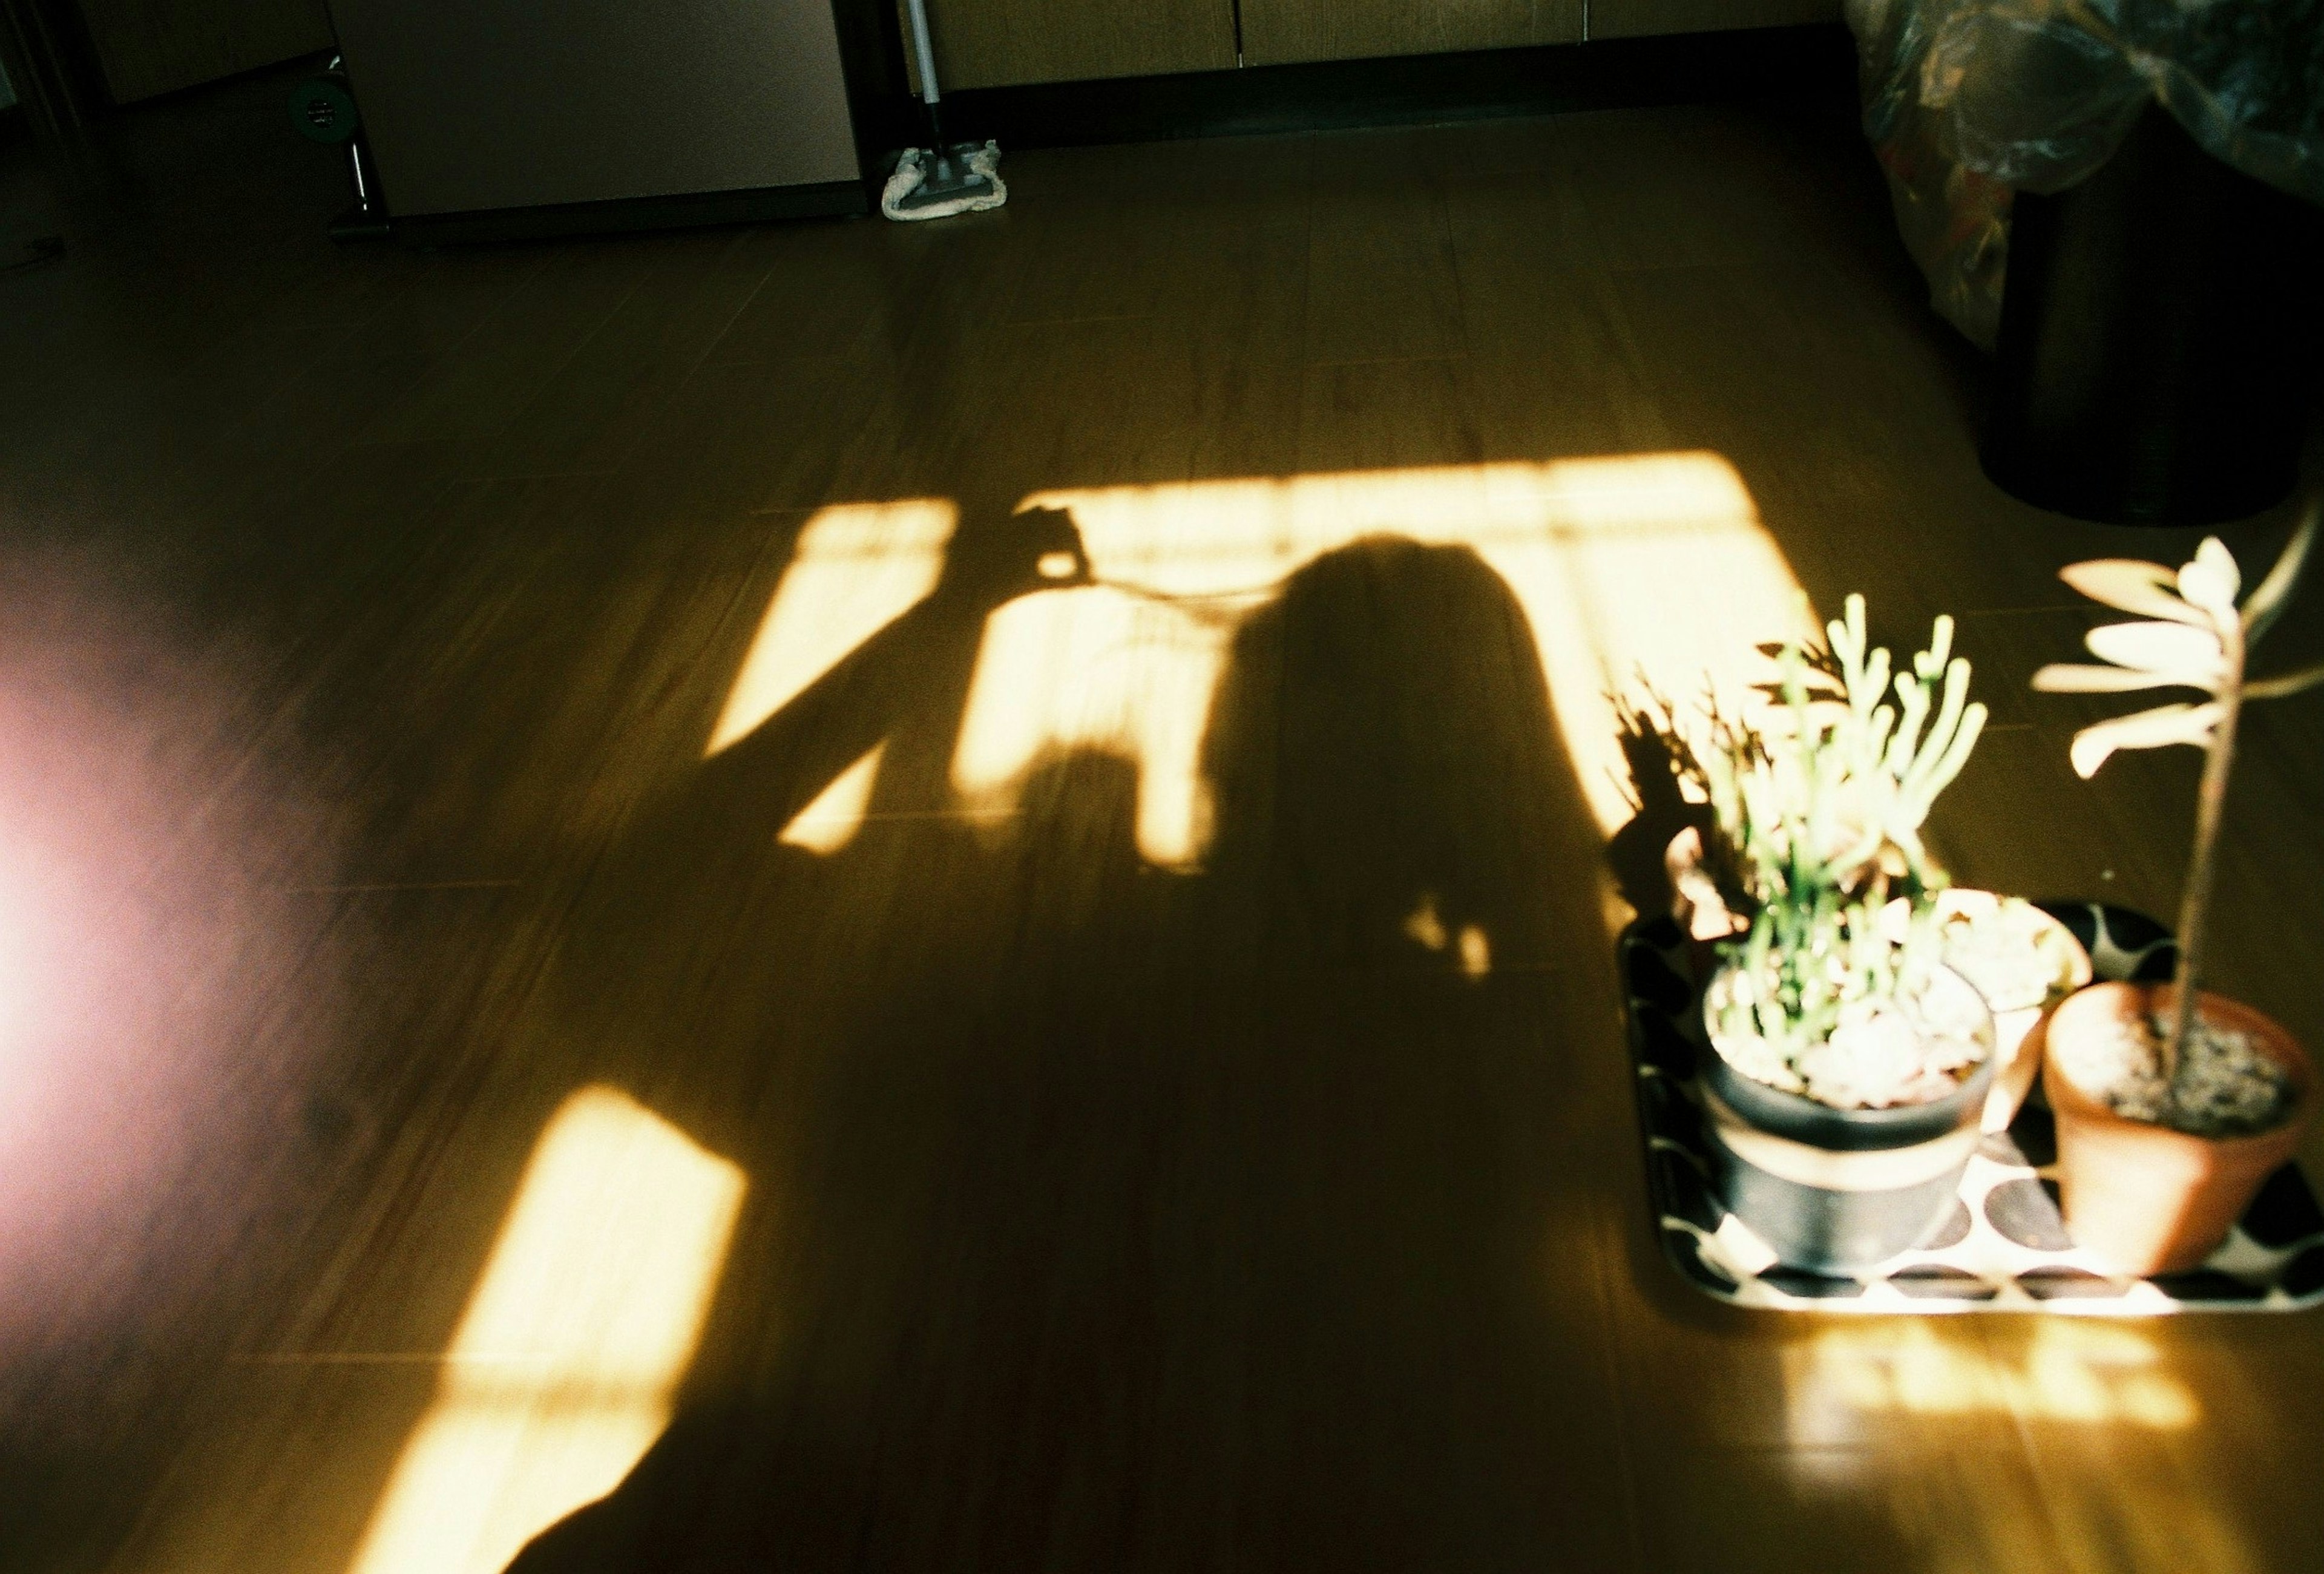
(1968, 101)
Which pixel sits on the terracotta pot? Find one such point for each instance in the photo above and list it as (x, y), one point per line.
(2142, 1197)
(1836, 1190)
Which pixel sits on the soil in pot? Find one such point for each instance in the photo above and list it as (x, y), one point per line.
(1835, 1190)
(2152, 1177)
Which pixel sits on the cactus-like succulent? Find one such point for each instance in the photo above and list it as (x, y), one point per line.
(1821, 814)
(2197, 637)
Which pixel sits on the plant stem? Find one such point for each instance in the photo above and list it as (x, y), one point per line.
(2211, 801)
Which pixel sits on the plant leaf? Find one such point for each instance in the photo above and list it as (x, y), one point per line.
(2268, 600)
(2069, 677)
(2212, 580)
(2170, 650)
(2154, 729)
(2291, 683)
(2148, 589)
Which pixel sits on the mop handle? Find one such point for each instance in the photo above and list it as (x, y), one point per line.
(926, 55)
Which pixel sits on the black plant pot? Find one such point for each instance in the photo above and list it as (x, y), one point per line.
(2158, 339)
(1836, 1190)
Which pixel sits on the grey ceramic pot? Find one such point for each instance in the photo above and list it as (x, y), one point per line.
(1836, 1190)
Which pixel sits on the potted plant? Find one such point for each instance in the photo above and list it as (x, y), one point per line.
(2173, 1105)
(2021, 960)
(1851, 1064)
(2026, 964)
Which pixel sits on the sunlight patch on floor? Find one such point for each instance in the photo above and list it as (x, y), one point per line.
(1863, 1376)
(562, 1372)
(1470, 946)
(857, 567)
(1094, 668)
(830, 822)
(1654, 563)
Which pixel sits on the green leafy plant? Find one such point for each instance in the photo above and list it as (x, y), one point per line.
(1821, 813)
(2196, 636)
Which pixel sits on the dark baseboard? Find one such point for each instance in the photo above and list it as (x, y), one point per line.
(1814, 65)
(756, 206)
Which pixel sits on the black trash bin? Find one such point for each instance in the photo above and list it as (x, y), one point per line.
(2159, 334)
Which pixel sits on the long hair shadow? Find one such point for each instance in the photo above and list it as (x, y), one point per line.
(1387, 769)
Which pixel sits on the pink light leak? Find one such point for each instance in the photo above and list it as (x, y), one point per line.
(149, 942)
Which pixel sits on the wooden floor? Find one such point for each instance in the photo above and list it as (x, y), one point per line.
(1165, 1110)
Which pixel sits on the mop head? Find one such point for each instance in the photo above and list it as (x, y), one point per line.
(966, 180)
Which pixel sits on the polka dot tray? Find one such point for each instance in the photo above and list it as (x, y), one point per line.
(2003, 1248)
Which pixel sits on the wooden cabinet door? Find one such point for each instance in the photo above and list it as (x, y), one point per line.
(1281, 32)
(158, 46)
(1638, 18)
(995, 43)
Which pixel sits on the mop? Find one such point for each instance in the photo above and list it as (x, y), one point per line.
(948, 178)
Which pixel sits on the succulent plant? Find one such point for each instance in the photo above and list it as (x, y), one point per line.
(1821, 815)
(2196, 636)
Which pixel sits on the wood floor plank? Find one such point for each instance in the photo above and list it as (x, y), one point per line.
(1377, 414)
(1382, 280)
(1847, 1508)
(829, 285)
(591, 415)
(762, 435)
(516, 350)
(1548, 340)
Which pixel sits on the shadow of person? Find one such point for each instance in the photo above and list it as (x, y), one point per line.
(1109, 1219)
(703, 942)
(939, 1139)
(1386, 772)
(852, 1031)
(1415, 1149)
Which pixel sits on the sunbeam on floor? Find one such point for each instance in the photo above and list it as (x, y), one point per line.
(1633, 571)
(564, 1366)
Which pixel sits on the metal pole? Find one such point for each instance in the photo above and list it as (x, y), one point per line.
(927, 57)
(939, 152)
